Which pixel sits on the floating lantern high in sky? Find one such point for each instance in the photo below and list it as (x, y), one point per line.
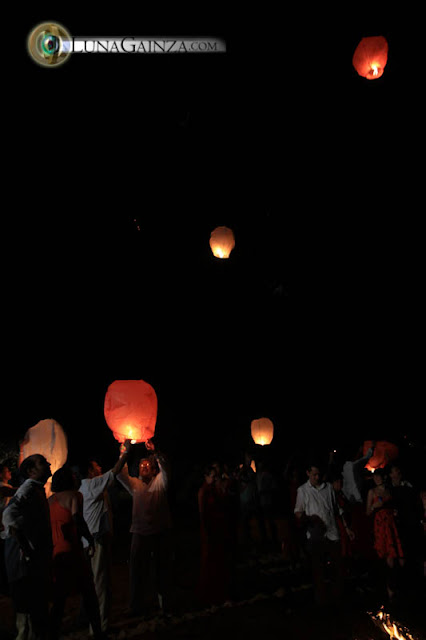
(222, 242)
(130, 410)
(47, 438)
(370, 57)
(384, 452)
(262, 431)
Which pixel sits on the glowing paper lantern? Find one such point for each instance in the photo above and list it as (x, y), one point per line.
(384, 452)
(370, 57)
(262, 431)
(130, 410)
(222, 242)
(48, 439)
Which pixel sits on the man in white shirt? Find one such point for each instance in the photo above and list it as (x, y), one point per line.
(316, 510)
(6, 492)
(28, 549)
(150, 529)
(98, 516)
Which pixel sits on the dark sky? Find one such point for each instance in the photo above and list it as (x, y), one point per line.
(314, 320)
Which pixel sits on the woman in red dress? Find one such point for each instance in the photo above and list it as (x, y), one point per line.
(216, 540)
(386, 538)
(71, 571)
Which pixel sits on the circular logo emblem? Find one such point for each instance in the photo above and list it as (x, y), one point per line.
(49, 44)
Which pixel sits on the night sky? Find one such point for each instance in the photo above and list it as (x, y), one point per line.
(127, 163)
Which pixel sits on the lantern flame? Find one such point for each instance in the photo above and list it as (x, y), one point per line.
(375, 69)
(131, 435)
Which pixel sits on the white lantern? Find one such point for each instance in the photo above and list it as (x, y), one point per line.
(49, 440)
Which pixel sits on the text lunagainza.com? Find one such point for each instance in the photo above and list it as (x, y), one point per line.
(146, 45)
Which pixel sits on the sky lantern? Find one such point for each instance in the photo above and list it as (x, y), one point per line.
(222, 241)
(262, 431)
(370, 57)
(384, 452)
(48, 439)
(130, 410)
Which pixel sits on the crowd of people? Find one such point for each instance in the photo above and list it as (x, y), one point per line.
(337, 519)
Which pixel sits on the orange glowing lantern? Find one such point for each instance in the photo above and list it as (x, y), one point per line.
(49, 440)
(222, 242)
(262, 431)
(384, 452)
(370, 57)
(130, 410)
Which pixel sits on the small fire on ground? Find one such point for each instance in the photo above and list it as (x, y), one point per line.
(394, 630)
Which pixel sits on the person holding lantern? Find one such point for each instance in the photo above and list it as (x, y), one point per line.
(346, 535)
(150, 529)
(98, 515)
(353, 472)
(354, 489)
(387, 543)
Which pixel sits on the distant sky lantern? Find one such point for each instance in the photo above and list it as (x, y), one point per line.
(222, 242)
(130, 410)
(384, 452)
(47, 438)
(370, 57)
(262, 431)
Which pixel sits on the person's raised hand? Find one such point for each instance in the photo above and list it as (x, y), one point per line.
(125, 446)
(150, 445)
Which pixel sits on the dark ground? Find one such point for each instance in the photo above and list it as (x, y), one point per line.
(273, 601)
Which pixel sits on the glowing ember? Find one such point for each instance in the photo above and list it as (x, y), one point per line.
(392, 628)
